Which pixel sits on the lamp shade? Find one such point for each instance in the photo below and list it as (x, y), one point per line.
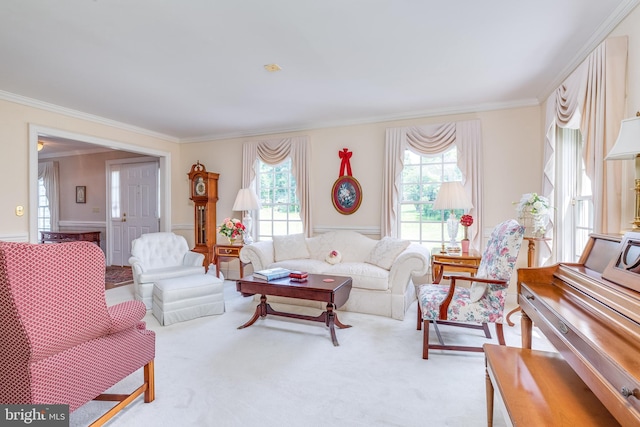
(627, 145)
(452, 196)
(246, 200)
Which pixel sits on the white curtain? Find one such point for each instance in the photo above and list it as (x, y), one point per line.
(592, 99)
(428, 140)
(274, 151)
(48, 172)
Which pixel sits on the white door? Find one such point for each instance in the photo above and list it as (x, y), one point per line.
(134, 206)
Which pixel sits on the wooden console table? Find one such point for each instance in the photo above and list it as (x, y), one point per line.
(466, 259)
(69, 236)
(226, 253)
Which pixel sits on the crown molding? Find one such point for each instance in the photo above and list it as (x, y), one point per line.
(30, 102)
(532, 102)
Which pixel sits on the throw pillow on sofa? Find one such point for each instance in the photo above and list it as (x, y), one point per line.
(386, 251)
(293, 246)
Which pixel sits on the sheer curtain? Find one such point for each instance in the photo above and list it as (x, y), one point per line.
(434, 139)
(274, 151)
(48, 172)
(592, 99)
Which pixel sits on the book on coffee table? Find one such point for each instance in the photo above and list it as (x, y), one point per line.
(271, 273)
(296, 274)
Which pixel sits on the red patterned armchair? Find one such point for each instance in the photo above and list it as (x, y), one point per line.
(59, 342)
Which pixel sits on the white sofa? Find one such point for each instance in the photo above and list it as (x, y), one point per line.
(381, 270)
(157, 256)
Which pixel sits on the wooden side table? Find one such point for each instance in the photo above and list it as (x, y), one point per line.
(473, 257)
(531, 262)
(70, 236)
(227, 253)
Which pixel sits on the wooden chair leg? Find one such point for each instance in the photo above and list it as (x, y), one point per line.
(485, 328)
(500, 333)
(149, 379)
(425, 340)
(489, 392)
(419, 326)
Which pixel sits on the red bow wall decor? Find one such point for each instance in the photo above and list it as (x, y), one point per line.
(346, 193)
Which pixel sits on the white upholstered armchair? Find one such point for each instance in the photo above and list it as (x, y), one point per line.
(157, 256)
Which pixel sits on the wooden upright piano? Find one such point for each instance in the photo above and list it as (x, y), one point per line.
(590, 312)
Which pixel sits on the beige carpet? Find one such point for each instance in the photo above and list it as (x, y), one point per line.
(285, 372)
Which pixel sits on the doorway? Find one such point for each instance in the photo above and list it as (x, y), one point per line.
(134, 204)
(163, 159)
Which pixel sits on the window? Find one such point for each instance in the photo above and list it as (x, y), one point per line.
(280, 208)
(44, 212)
(574, 199)
(420, 182)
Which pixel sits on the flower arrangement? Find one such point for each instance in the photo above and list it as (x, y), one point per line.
(533, 213)
(232, 228)
(466, 221)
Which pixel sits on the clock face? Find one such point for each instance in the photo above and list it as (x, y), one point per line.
(200, 187)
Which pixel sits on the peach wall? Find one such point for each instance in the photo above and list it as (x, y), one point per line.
(630, 27)
(15, 119)
(512, 164)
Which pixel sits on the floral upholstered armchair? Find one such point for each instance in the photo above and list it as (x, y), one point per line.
(60, 343)
(478, 305)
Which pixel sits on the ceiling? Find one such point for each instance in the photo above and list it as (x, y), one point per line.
(194, 70)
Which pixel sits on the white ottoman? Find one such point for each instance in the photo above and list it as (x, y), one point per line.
(187, 297)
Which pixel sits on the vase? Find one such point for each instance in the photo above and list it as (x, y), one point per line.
(233, 241)
(465, 245)
(535, 225)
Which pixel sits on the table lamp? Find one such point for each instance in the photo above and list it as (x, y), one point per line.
(627, 146)
(452, 196)
(246, 201)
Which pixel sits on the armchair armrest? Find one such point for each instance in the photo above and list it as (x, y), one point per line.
(193, 258)
(137, 267)
(126, 315)
(444, 307)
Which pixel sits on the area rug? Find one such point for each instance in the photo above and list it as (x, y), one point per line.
(117, 276)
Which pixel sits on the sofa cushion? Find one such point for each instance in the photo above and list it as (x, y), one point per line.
(292, 246)
(386, 251)
(365, 276)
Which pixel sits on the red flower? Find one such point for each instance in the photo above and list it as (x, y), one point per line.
(466, 220)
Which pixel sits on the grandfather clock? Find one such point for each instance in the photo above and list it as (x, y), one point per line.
(204, 193)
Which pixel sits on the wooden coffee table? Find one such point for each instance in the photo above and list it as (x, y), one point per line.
(334, 290)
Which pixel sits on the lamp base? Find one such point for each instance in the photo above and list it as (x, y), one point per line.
(452, 229)
(248, 222)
